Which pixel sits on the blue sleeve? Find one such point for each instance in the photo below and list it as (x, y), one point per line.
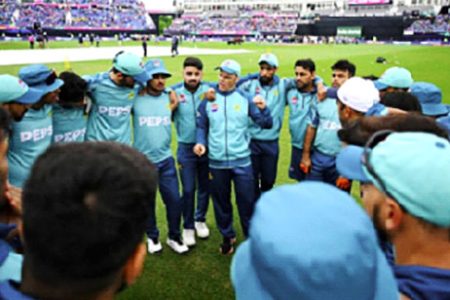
(176, 86)
(289, 83)
(377, 110)
(260, 117)
(247, 78)
(332, 93)
(210, 84)
(318, 79)
(313, 117)
(93, 80)
(202, 124)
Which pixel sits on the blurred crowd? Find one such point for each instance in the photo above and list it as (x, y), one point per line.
(249, 23)
(128, 14)
(438, 24)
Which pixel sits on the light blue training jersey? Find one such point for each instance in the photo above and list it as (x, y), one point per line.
(222, 126)
(186, 113)
(300, 104)
(152, 126)
(69, 124)
(30, 138)
(110, 114)
(325, 118)
(275, 97)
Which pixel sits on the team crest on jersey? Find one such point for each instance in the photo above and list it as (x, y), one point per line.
(237, 107)
(182, 98)
(214, 107)
(275, 93)
(294, 100)
(131, 96)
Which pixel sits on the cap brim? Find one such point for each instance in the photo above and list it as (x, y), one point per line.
(349, 164)
(31, 96)
(227, 70)
(50, 88)
(379, 85)
(160, 71)
(434, 109)
(141, 78)
(244, 277)
(385, 285)
(267, 62)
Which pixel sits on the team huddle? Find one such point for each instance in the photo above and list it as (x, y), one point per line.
(228, 133)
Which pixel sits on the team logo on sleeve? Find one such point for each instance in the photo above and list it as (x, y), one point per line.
(182, 98)
(214, 107)
(275, 93)
(237, 107)
(131, 96)
(294, 100)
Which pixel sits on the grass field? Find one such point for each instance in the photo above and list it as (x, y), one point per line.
(203, 273)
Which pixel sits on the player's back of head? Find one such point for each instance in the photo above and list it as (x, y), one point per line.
(85, 207)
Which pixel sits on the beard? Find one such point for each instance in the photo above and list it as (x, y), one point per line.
(264, 80)
(192, 85)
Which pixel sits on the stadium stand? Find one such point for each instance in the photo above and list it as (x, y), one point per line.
(76, 14)
(438, 24)
(234, 23)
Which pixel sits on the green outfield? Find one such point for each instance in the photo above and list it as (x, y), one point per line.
(203, 273)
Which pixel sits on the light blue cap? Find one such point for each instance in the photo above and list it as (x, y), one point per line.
(40, 77)
(430, 98)
(230, 66)
(311, 241)
(349, 164)
(130, 64)
(395, 77)
(414, 167)
(13, 89)
(270, 59)
(156, 66)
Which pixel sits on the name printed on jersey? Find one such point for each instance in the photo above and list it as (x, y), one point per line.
(36, 134)
(154, 121)
(70, 136)
(114, 111)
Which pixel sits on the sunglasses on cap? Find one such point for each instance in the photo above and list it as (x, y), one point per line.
(117, 55)
(51, 78)
(374, 140)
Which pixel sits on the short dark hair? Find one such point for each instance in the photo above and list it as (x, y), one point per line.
(85, 209)
(193, 62)
(5, 124)
(359, 131)
(307, 64)
(345, 65)
(73, 90)
(402, 100)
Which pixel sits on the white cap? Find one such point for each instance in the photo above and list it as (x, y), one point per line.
(358, 94)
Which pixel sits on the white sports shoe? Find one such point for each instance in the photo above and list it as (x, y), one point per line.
(189, 237)
(177, 246)
(153, 246)
(202, 230)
